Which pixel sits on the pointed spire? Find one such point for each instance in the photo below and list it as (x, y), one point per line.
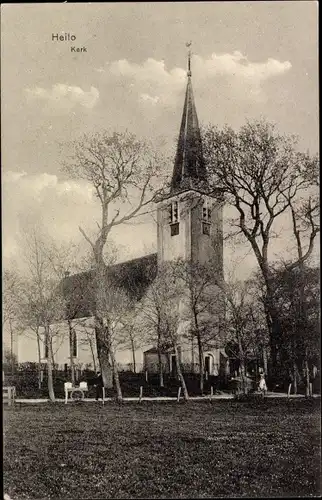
(189, 59)
(189, 169)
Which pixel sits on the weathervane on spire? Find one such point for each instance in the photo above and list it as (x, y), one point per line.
(188, 44)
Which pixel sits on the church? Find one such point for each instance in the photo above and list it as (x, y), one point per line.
(190, 228)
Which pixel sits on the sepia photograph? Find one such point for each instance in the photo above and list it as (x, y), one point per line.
(160, 250)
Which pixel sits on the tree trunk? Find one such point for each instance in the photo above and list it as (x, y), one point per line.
(307, 375)
(242, 366)
(243, 377)
(303, 330)
(265, 360)
(119, 395)
(48, 339)
(294, 364)
(108, 343)
(272, 321)
(102, 331)
(71, 353)
(103, 353)
(11, 348)
(51, 351)
(201, 363)
(192, 356)
(161, 379)
(133, 352)
(200, 353)
(39, 359)
(295, 377)
(180, 374)
(93, 354)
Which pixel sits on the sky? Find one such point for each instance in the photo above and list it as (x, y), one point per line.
(250, 60)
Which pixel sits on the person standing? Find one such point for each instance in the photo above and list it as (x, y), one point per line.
(262, 384)
(313, 374)
(99, 386)
(215, 377)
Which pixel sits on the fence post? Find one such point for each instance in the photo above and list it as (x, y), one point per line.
(146, 375)
(141, 393)
(9, 396)
(289, 390)
(179, 393)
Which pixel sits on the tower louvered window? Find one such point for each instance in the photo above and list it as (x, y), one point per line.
(174, 218)
(206, 217)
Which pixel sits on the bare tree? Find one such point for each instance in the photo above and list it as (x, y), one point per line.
(43, 306)
(87, 338)
(151, 319)
(161, 315)
(204, 306)
(119, 306)
(243, 324)
(263, 176)
(44, 303)
(12, 295)
(131, 341)
(129, 334)
(121, 170)
(29, 322)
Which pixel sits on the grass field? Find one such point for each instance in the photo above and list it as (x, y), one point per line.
(162, 450)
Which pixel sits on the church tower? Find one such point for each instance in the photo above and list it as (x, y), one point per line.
(190, 218)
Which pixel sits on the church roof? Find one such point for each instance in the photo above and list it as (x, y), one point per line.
(152, 350)
(189, 170)
(133, 277)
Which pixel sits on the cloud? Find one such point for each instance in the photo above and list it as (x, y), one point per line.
(151, 81)
(42, 187)
(239, 71)
(238, 65)
(58, 207)
(155, 84)
(65, 96)
(151, 71)
(149, 99)
(43, 200)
